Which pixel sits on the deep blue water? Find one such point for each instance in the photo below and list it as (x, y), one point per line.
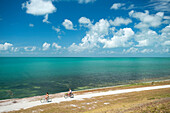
(23, 77)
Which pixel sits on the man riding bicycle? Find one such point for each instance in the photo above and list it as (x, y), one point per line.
(69, 92)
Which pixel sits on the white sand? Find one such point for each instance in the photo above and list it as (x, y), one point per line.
(24, 103)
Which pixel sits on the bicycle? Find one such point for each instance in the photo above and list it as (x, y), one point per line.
(43, 100)
(69, 95)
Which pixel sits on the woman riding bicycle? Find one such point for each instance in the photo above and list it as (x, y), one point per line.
(47, 96)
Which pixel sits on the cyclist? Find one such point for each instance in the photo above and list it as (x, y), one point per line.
(47, 96)
(69, 92)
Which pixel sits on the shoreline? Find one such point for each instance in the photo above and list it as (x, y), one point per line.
(9, 105)
(124, 85)
(161, 79)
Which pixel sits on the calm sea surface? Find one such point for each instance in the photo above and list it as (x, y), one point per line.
(24, 77)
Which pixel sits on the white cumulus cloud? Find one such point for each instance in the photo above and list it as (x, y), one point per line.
(146, 19)
(146, 38)
(31, 25)
(104, 34)
(165, 50)
(120, 39)
(30, 48)
(15, 49)
(45, 20)
(85, 22)
(5, 46)
(143, 43)
(98, 35)
(119, 21)
(68, 24)
(56, 46)
(45, 46)
(166, 17)
(167, 43)
(99, 30)
(132, 50)
(147, 51)
(149, 38)
(39, 7)
(166, 30)
(56, 29)
(85, 1)
(117, 5)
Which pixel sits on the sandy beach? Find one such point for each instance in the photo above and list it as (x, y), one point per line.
(25, 103)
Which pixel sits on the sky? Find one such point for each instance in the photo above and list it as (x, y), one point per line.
(84, 28)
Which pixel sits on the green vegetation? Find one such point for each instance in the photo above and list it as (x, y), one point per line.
(158, 108)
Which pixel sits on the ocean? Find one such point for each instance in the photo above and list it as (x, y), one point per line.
(31, 76)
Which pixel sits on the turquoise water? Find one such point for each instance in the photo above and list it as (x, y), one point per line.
(24, 77)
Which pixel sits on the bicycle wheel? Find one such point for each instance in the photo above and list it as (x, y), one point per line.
(65, 96)
(72, 95)
(49, 100)
(42, 100)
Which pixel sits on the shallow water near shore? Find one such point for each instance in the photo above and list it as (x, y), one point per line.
(24, 77)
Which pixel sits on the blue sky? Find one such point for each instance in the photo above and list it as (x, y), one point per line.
(85, 28)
